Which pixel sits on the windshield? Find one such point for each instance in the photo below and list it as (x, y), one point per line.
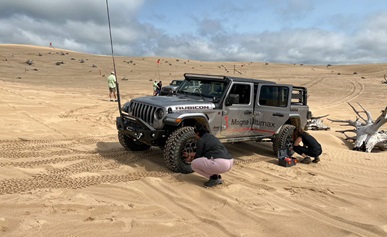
(175, 83)
(209, 89)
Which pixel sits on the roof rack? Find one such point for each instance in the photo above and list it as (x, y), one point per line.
(200, 76)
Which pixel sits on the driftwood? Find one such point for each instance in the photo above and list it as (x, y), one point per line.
(367, 135)
(316, 123)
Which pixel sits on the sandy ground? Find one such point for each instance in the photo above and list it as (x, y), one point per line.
(63, 172)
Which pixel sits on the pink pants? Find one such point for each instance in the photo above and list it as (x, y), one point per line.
(209, 167)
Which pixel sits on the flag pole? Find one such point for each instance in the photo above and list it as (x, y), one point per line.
(114, 63)
(158, 69)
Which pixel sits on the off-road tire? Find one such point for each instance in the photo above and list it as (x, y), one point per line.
(181, 140)
(284, 139)
(130, 143)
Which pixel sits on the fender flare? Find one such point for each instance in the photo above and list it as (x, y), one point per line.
(294, 119)
(176, 119)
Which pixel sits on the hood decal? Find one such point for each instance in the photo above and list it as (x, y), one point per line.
(175, 103)
(192, 107)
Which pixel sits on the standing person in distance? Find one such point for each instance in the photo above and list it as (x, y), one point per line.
(112, 86)
(159, 85)
(310, 148)
(155, 88)
(211, 157)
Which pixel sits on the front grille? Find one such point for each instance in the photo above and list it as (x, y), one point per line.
(144, 112)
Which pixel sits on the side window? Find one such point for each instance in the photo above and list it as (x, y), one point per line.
(243, 91)
(274, 96)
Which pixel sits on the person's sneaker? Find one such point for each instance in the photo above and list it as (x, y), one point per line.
(316, 160)
(306, 160)
(214, 180)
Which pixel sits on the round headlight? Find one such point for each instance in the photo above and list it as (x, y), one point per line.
(131, 106)
(159, 113)
(126, 107)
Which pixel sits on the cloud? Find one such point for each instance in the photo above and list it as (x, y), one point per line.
(82, 26)
(210, 27)
(294, 9)
(75, 25)
(373, 36)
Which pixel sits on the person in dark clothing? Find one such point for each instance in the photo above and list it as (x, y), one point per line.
(159, 86)
(211, 157)
(310, 148)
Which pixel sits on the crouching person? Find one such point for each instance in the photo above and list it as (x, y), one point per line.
(310, 148)
(211, 158)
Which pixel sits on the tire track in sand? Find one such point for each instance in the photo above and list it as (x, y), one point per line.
(68, 167)
(355, 89)
(77, 168)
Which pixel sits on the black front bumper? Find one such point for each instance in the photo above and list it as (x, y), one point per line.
(140, 130)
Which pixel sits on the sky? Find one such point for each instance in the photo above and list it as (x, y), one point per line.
(281, 31)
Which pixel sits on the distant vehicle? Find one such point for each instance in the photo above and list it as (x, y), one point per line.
(233, 109)
(172, 88)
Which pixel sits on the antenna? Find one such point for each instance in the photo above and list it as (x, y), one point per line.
(114, 63)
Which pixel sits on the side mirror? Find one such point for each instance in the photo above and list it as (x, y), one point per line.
(232, 99)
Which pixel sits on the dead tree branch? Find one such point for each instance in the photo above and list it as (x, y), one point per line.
(367, 134)
(316, 123)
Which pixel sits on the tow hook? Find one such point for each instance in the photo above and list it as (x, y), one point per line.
(138, 135)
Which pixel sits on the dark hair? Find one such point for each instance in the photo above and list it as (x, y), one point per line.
(201, 129)
(297, 133)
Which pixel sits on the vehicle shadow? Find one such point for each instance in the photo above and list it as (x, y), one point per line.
(240, 150)
(150, 160)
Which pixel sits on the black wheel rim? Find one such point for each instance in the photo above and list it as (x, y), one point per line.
(189, 146)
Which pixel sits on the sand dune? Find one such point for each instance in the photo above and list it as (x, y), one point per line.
(63, 172)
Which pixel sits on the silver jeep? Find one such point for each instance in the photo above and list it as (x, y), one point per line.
(233, 109)
(172, 88)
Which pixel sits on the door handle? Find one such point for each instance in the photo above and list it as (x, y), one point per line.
(278, 115)
(248, 112)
